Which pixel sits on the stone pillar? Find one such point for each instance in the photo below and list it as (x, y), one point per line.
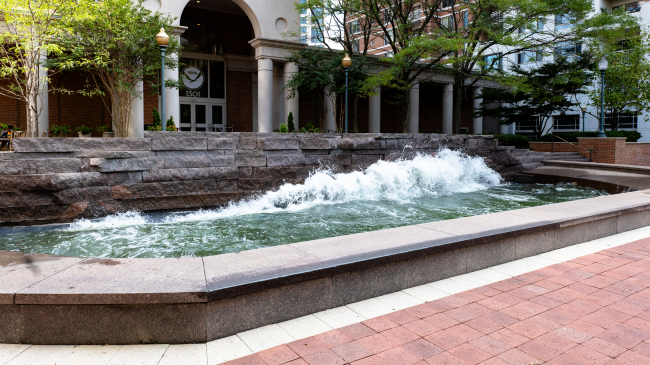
(330, 111)
(478, 121)
(172, 98)
(42, 101)
(136, 114)
(374, 112)
(504, 129)
(264, 95)
(291, 105)
(255, 113)
(414, 109)
(448, 109)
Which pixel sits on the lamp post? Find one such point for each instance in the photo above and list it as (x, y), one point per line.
(347, 62)
(602, 66)
(163, 40)
(584, 110)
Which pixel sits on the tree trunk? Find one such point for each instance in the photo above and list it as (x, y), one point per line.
(459, 86)
(405, 107)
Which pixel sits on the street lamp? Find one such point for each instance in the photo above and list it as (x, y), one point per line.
(584, 110)
(163, 40)
(347, 62)
(602, 66)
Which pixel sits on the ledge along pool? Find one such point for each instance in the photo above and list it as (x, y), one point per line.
(386, 195)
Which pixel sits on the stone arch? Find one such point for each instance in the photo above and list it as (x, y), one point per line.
(175, 9)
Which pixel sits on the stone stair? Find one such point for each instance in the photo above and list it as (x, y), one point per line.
(532, 160)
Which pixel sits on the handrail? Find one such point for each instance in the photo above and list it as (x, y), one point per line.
(571, 143)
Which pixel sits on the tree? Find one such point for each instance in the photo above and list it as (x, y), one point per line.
(627, 79)
(403, 25)
(27, 37)
(115, 44)
(531, 96)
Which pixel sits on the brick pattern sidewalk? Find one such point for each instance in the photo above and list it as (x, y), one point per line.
(591, 310)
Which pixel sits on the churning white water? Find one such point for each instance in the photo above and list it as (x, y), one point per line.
(449, 172)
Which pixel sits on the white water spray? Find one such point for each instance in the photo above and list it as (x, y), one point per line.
(449, 172)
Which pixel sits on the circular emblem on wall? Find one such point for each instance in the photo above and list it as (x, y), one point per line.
(194, 78)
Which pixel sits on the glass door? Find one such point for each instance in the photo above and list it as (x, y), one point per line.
(185, 124)
(218, 124)
(200, 118)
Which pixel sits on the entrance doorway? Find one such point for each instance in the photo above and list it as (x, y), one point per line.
(202, 117)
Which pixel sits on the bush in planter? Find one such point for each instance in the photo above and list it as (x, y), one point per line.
(59, 130)
(310, 128)
(83, 130)
(516, 140)
(157, 125)
(103, 129)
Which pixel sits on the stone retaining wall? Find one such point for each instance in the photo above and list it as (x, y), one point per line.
(62, 179)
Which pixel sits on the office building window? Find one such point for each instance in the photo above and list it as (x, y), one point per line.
(568, 49)
(627, 121)
(465, 18)
(529, 56)
(566, 122)
(493, 62)
(448, 22)
(563, 21)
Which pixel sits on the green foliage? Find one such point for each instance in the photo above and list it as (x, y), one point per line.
(283, 128)
(157, 122)
(292, 127)
(627, 79)
(533, 95)
(3, 126)
(58, 130)
(632, 136)
(103, 128)
(170, 126)
(114, 42)
(83, 129)
(516, 140)
(310, 128)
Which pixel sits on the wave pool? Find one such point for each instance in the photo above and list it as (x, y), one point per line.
(385, 195)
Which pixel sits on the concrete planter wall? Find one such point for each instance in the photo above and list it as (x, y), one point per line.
(62, 179)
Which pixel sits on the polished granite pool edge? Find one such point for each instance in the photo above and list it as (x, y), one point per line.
(62, 300)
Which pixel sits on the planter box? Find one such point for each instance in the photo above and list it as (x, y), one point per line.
(108, 134)
(81, 135)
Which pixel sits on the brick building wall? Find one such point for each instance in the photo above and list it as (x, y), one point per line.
(553, 147)
(637, 154)
(605, 150)
(239, 100)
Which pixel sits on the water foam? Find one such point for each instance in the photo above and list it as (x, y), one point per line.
(449, 172)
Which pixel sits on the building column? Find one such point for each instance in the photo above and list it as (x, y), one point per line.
(448, 109)
(374, 112)
(172, 98)
(264, 95)
(504, 129)
(478, 121)
(291, 105)
(330, 111)
(414, 109)
(136, 114)
(255, 105)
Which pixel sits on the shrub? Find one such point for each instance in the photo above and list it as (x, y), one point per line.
(283, 128)
(291, 126)
(103, 128)
(310, 128)
(58, 130)
(516, 140)
(83, 129)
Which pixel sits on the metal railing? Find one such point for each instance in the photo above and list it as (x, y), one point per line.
(571, 143)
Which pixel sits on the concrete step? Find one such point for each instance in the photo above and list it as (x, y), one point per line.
(535, 153)
(565, 158)
(531, 159)
(559, 154)
(530, 166)
(519, 153)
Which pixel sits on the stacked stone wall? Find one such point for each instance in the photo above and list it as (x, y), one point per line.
(63, 179)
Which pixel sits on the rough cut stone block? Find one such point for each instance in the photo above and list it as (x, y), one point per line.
(117, 178)
(82, 195)
(179, 144)
(175, 188)
(282, 172)
(124, 164)
(286, 143)
(179, 202)
(247, 143)
(317, 143)
(43, 213)
(198, 161)
(114, 154)
(365, 160)
(245, 172)
(358, 144)
(81, 144)
(250, 161)
(260, 184)
(326, 160)
(45, 166)
(223, 143)
(51, 182)
(285, 160)
(24, 199)
(5, 155)
(190, 174)
(397, 143)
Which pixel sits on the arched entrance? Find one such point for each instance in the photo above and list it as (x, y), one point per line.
(217, 67)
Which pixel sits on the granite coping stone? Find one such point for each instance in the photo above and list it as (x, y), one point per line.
(42, 279)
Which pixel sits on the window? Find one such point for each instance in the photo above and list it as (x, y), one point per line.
(527, 126)
(568, 49)
(303, 30)
(627, 121)
(538, 25)
(493, 62)
(372, 42)
(416, 14)
(447, 3)
(200, 38)
(447, 22)
(304, 11)
(303, 20)
(354, 27)
(529, 56)
(630, 7)
(355, 46)
(303, 38)
(316, 35)
(566, 122)
(465, 19)
(563, 21)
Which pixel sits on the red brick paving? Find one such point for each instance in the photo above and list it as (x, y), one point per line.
(591, 310)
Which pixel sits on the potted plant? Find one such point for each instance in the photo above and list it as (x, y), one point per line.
(59, 130)
(83, 131)
(106, 131)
